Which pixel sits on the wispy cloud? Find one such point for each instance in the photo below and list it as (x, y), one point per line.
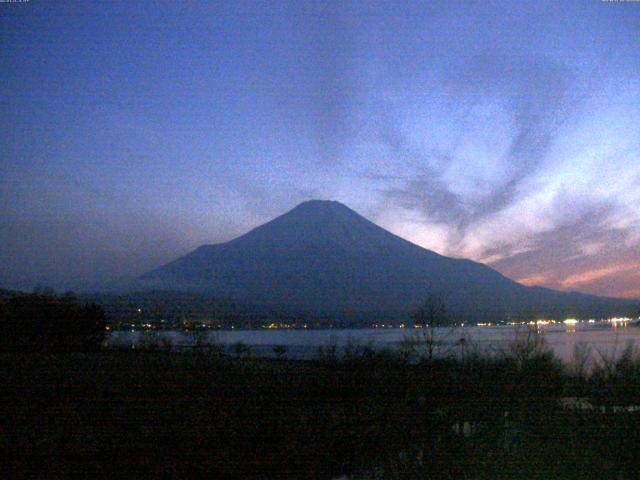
(541, 201)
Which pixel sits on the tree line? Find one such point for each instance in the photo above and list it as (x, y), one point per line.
(43, 320)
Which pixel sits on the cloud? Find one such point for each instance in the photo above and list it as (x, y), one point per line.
(540, 179)
(586, 253)
(506, 100)
(590, 276)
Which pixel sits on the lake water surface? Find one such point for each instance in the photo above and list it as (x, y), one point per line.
(603, 337)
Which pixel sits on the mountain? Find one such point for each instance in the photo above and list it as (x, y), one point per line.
(323, 256)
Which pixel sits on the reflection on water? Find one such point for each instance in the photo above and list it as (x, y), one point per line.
(607, 338)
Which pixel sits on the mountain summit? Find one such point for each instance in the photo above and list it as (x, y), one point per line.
(320, 224)
(324, 256)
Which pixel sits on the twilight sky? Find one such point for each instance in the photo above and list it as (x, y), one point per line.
(505, 132)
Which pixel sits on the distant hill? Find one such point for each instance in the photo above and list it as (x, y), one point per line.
(323, 256)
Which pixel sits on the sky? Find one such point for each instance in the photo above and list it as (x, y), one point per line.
(505, 132)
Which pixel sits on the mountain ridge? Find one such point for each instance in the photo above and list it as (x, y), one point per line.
(322, 255)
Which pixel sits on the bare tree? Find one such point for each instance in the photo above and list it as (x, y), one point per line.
(432, 314)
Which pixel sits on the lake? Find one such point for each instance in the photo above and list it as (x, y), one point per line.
(603, 337)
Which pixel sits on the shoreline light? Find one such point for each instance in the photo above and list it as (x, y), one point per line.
(619, 319)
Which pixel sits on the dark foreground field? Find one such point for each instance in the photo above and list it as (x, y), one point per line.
(130, 413)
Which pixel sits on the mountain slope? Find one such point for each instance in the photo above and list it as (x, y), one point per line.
(324, 256)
